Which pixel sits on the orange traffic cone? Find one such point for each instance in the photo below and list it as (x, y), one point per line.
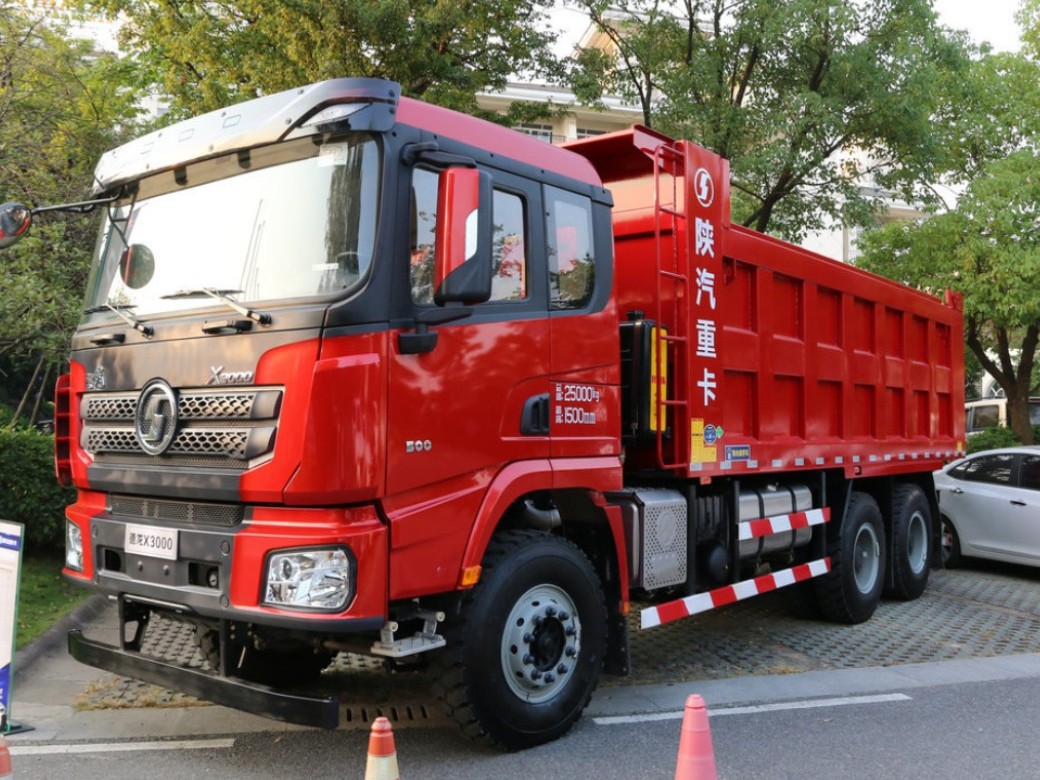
(696, 756)
(382, 755)
(6, 773)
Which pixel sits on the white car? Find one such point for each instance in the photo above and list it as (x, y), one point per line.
(989, 506)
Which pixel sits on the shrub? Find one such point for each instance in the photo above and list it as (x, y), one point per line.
(992, 438)
(29, 493)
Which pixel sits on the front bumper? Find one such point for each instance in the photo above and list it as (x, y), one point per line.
(320, 712)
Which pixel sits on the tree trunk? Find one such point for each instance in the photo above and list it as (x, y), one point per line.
(1018, 414)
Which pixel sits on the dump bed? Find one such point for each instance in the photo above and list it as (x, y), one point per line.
(771, 357)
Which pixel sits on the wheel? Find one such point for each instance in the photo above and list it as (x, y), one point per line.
(526, 651)
(282, 666)
(951, 544)
(911, 542)
(850, 591)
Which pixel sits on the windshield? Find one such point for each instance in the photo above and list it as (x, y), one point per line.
(292, 220)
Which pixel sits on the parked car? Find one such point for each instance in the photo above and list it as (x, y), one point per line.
(991, 412)
(989, 506)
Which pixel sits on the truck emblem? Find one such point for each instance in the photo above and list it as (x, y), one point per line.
(218, 376)
(704, 187)
(155, 418)
(96, 379)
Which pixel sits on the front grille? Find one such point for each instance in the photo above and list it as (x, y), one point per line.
(224, 515)
(234, 443)
(237, 425)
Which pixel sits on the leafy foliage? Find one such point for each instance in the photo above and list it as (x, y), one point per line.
(991, 439)
(61, 105)
(806, 98)
(29, 493)
(988, 246)
(206, 55)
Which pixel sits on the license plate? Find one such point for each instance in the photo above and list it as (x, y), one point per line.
(151, 541)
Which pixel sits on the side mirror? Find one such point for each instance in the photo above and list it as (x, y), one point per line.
(462, 245)
(14, 222)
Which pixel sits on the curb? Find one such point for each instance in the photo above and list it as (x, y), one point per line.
(54, 636)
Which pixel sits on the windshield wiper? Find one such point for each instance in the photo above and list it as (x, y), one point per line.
(118, 308)
(222, 295)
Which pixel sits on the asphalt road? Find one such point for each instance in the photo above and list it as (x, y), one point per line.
(985, 730)
(958, 673)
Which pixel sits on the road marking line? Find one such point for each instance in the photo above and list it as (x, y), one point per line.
(751, 710)
(119, 747)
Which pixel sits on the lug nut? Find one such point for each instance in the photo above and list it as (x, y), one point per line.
(561, 669)
(536, 675)
(550, 611)
(550, 678)
(528, 660)
(571, 631)
(564, 615)
(570, 652)
(528, 638)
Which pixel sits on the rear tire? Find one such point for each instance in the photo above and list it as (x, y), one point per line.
(525, 654)
(911, 542)
(850, 591)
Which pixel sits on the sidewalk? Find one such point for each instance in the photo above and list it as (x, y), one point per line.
(48, 682)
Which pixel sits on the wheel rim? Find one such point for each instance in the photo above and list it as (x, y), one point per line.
(917, 543)
(540, 643)
(866, 558)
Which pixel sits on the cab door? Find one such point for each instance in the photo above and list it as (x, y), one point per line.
(461, 411)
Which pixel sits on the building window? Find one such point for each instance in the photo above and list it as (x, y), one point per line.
(541, 132)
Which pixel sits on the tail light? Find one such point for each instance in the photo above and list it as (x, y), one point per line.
(63, 430)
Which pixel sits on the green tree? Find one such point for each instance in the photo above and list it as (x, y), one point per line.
(61, 105)
(208, 54)
(988, 249)
(781, 88)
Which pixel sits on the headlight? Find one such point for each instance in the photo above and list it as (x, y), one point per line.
(73, 546)
(310, 579)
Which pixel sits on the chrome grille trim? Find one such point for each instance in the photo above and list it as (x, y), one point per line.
(237, 424)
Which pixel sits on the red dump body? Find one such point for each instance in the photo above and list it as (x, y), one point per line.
(781, 359)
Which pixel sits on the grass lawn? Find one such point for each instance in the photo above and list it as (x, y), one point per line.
(44, 597)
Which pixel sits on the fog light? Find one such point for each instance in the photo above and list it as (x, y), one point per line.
(73, 546)
(309, 579)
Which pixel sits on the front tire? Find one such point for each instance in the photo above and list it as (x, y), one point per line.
(849, 593)
(526, 651)
(911, 542)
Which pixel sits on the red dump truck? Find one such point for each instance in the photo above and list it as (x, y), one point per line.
(357, 373)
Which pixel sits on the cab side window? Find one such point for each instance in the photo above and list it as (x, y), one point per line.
(422, 225)
(509, 255)
(572, 267)
(508, 249)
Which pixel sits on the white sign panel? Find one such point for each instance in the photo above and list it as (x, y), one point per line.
(11, 535)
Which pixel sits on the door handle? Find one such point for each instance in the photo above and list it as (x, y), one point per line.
(957, 490)
(1018, 503)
